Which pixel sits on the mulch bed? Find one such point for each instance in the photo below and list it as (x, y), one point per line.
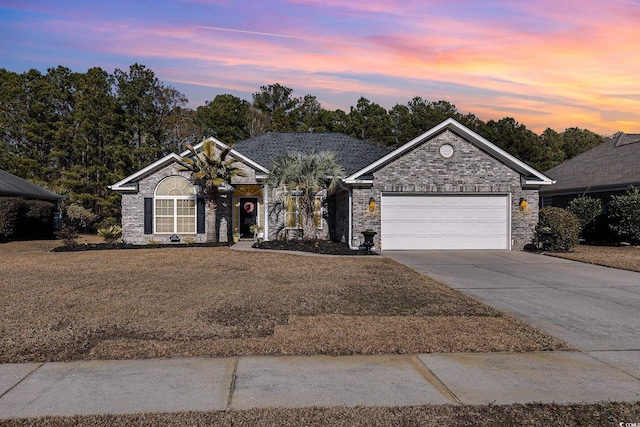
(325, 247)
(114, 246)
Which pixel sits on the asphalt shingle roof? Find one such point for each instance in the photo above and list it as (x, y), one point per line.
(14, 186)
(614, 162)
(352, 153)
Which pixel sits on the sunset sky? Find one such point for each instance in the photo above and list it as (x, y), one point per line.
(558, 64)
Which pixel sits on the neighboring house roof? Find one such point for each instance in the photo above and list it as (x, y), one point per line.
(611, 165)
(530, 176)
(14, 186)
(353, 154)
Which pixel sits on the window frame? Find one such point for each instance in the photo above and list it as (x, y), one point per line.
(174, 207)
(317, 212)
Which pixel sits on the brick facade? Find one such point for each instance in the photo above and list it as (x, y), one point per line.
(423, 170)
(347, 213)
(133, 207)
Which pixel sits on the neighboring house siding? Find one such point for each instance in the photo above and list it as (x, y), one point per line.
(469, 170)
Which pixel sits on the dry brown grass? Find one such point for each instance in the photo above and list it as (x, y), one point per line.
(622, 257)
(583, 415)
(215, 301)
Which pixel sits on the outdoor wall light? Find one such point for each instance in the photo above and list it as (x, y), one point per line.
(372, 204)
(523, 205)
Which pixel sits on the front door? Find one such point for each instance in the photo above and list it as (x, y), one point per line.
(248, 215)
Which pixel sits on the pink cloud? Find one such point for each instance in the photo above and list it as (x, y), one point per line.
(576, 54)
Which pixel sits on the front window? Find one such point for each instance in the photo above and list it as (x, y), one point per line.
(294, 218)
(175, 206)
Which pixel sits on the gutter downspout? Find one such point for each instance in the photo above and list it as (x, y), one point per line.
(350, 231)
(265, 202)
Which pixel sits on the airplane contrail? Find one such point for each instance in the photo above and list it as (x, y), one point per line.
(257, 33)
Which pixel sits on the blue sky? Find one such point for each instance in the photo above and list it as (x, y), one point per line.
(545, 63)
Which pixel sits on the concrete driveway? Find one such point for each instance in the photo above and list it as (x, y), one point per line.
(596, 309)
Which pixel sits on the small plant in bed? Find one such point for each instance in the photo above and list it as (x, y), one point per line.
(111, 234)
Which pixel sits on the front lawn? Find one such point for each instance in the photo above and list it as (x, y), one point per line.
(175, 302)
(622, 257)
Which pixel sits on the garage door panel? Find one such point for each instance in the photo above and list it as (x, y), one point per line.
(445, 222)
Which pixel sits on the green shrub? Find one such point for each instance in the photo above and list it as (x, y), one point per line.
(587, 209)
(624, 216)
(37, 219)
(80, 217)
(9, 212)
(111, 234)
(22, 218)
(68, 235)
(106, 222)
(563, 226)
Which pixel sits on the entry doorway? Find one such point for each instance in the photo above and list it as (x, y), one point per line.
(248, 215)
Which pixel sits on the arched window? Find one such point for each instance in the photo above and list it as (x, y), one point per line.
(175, 206)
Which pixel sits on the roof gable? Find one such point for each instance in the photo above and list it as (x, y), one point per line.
(130, 182)
(14, 186)
(614, 163)
(530, 175)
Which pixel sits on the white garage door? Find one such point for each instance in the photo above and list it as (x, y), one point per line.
(445, 222)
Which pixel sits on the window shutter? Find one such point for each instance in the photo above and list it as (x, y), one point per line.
(148, 215)
(317, 212)
(200, 228)
(291, 215)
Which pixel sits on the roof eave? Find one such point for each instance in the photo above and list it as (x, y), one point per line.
(535, 183)
(36, 196)
(125, 185)
(353, 181)
(592, 188)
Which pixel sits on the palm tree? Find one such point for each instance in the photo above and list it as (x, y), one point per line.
(213, 171)
(305, 175)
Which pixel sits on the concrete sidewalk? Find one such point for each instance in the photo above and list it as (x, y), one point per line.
(213, 384)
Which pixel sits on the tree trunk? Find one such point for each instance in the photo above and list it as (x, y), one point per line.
(211, 234)
(309, 228)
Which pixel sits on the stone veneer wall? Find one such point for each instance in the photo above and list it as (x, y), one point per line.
(424, 170)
